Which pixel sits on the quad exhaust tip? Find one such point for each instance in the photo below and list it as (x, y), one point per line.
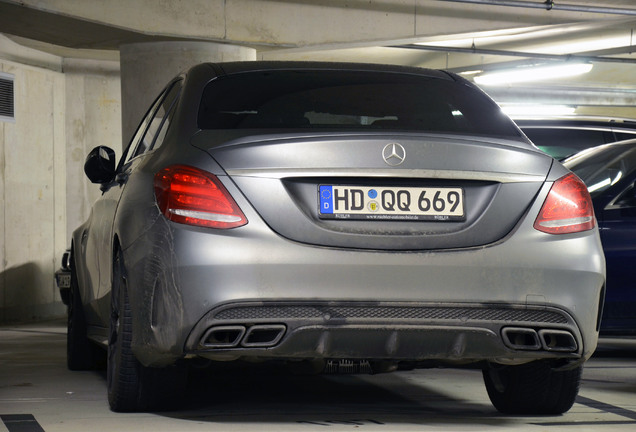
(263, 335)
(527, 339)
(521, 338)
(223, 336)
(232, 336)
(558, 340)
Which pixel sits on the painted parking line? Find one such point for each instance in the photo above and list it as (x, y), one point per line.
(21, 423)
(601, 406)
(630, 414)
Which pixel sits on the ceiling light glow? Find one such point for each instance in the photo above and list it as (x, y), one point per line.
(534, 110)
(533, 73)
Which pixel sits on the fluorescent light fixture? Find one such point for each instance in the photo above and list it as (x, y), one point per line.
(471, 72)
(533, 73)
(533, 110)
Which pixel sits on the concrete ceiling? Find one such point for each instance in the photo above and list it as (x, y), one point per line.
(460, 35)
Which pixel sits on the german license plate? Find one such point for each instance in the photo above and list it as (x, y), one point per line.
(391, 203)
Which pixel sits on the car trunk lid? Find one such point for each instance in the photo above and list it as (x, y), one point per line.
(487, 183)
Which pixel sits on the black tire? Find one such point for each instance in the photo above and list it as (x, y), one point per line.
(532, 388)
(81, 353)
(132, 386)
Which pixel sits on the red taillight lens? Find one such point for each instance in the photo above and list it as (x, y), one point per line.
(195, 197)
(567, 209)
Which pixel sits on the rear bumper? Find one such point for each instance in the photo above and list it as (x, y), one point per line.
(189, 283)
(385, 331)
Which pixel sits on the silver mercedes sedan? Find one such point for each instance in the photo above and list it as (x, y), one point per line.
(338, 216)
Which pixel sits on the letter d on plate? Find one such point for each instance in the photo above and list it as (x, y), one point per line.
(326, 199)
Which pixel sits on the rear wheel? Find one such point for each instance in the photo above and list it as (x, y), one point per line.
(132, 386)
(532, 388)
(81, 353)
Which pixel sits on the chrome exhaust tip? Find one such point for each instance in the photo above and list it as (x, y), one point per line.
(266, 335)
(558, 340)
(223, 337)
(519, 338)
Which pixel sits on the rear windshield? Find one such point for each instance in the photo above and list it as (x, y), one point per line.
(349, 100)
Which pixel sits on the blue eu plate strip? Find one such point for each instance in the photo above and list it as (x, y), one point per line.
(326, 199)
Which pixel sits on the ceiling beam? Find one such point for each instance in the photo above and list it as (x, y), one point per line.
(550, 5)
(507, 53)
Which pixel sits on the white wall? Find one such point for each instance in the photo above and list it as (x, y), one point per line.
(63, 108)
(93, 118)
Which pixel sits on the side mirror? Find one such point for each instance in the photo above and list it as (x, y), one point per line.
(100, 165)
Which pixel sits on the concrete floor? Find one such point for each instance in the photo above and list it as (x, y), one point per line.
(38, 393)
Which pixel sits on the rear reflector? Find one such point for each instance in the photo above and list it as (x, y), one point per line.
(567, 209)
(192, 196)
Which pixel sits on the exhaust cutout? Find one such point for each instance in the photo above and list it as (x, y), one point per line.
(223, 337)
(558, 340)
(519, 338)
(263, 335)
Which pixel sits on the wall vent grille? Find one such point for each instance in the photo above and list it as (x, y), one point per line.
(6, 98)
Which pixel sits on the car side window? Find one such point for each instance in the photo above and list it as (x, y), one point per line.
(135, 143)
(561, 143)
(604, 167)
(163, 117)
(620, 136)
(151, 126)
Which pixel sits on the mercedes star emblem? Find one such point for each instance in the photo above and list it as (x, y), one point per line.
(393, 154)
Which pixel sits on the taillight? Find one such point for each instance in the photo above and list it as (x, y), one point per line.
(195, 197)
(567, 209)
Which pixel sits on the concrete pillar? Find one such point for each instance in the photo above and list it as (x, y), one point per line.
(147, 67)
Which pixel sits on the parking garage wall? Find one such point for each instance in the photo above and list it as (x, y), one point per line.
(62, 109)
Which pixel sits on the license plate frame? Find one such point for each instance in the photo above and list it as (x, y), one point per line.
(63, 280)
(391, 203)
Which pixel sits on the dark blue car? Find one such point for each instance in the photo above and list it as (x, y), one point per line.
(609, 171)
